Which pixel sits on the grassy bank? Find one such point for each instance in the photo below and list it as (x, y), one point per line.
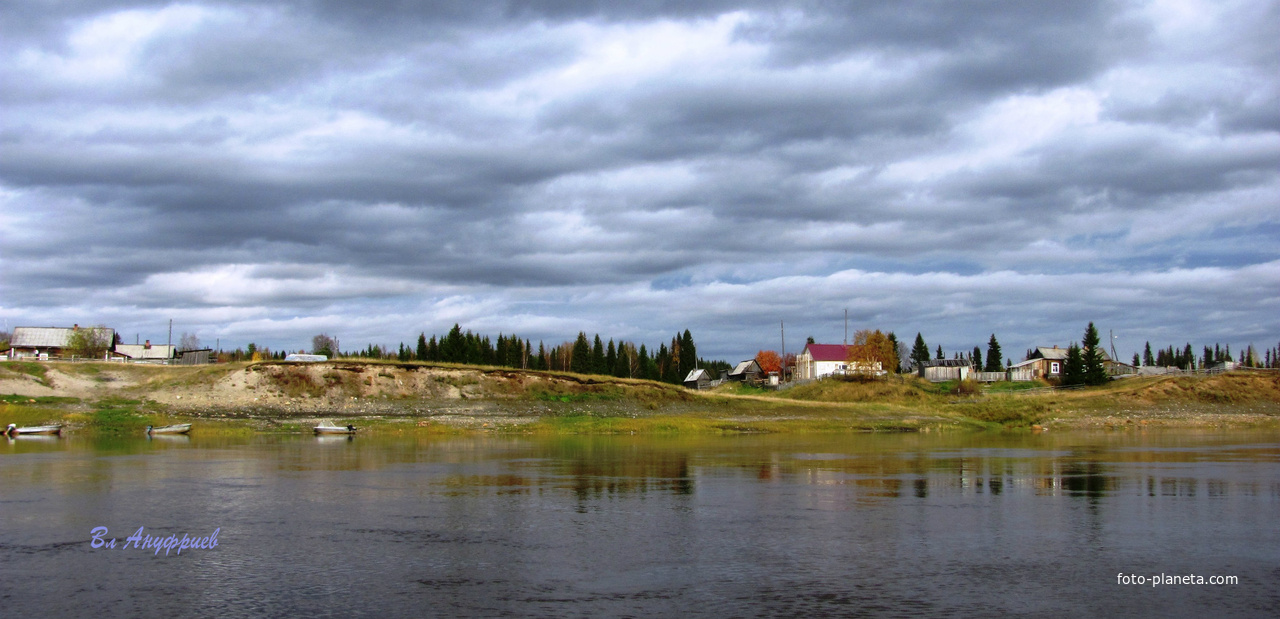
(400, 398)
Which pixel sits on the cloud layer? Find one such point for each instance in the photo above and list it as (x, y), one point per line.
(266, 171)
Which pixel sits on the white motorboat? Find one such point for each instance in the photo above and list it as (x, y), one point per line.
(14, 430)
(328, 428)
(177, 428)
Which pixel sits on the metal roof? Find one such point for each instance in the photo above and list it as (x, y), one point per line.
(1054, 354)
(947, 363)
(141, 351)
(51, 337)
(1060, 354)
(743, 367)
(828, 352)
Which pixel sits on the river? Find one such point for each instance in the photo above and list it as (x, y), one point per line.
(896, 525)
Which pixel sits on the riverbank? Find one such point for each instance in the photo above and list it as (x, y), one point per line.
(443, 398)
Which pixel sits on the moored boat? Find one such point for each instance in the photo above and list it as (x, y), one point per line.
(177, 428)
(14, 430)
(326, 428)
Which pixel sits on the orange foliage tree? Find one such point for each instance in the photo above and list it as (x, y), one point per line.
(769, 361)
(873, 346)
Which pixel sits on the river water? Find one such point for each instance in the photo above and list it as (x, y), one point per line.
(902, 525)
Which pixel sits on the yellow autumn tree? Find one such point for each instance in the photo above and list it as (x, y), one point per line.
(872, 347)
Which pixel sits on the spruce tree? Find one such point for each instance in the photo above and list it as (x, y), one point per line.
(975, 359)
(940, 352)
(1073, 369)
(597, 356)
(1095, 372)
(688, 354)
(622, 364)
(919, 352)
(580, 361)
(644, 365)
(663, 362)
(423, 351)
(994, 355)
(500, 353)
(1147, 359)
(897, 354)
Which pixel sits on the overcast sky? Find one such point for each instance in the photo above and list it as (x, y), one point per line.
(266, 171)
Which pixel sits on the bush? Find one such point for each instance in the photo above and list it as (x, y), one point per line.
(967, 387)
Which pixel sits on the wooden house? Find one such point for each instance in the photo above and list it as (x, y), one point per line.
(46, 342)
(1051, 362)
(698, 379)
(747, 371)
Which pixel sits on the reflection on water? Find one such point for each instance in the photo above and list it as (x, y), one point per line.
(914, 525)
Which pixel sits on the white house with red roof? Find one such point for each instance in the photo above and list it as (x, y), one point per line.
(819, 360)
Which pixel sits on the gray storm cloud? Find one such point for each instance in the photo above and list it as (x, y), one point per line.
(265, 171)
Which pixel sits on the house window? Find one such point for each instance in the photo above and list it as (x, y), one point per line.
(1053, 367)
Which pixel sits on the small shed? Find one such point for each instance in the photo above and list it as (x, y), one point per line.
(698, 379)
(747, 371)
(198, 356)
(941, 370)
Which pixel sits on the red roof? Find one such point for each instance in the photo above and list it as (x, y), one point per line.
(828, 352)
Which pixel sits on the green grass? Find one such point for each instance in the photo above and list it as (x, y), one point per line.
(1012, 387)
(736, 388)
(30, 368)
(47, 400)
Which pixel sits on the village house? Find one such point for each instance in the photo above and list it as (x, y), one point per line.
(821, 360)
(1051, 362)
(146, 352)
(747, 371)
(51, 342)
(698, 379)
(1044, 362)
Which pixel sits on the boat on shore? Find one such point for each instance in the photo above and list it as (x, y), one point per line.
(177, 428)
(14, 430)
(328, 428)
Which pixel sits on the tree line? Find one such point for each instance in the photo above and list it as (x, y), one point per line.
(623, 359)
(1185, 358)
(994, 362)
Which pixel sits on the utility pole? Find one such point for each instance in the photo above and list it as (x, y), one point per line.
(846, 326)
(782, 329)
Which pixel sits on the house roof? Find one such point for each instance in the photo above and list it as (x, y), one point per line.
(697, 374)
(51, 337)
(745, 367)
(947, 363)
(1053, 354)
(828, 352)
(141, 351)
